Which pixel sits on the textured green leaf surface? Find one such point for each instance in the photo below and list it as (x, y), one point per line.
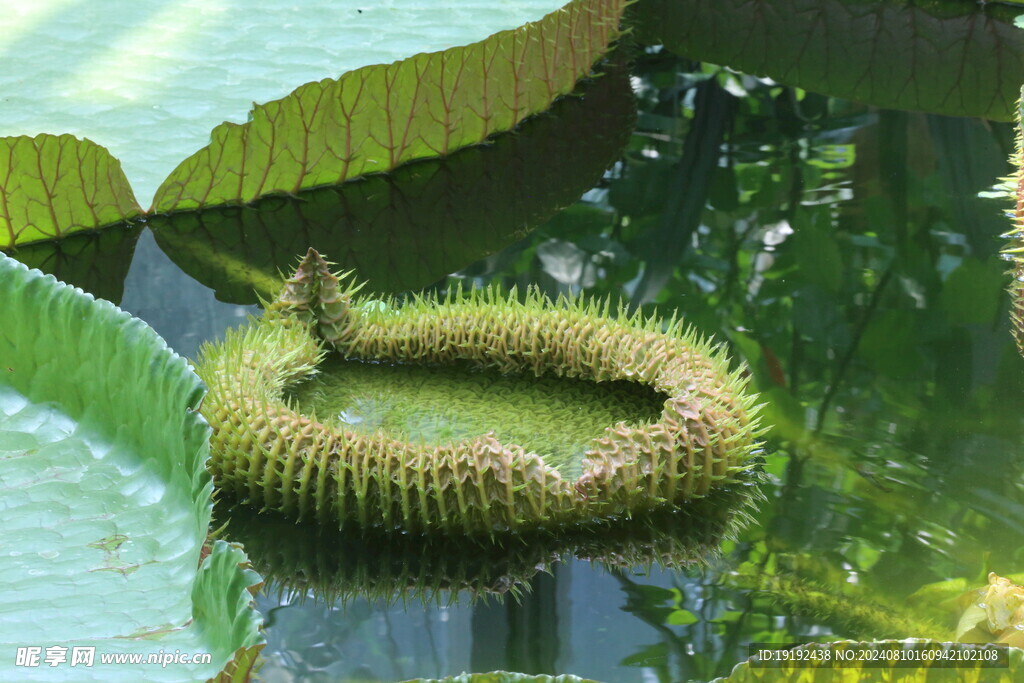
(375, 118)
(105, 496)
(149, 79)
(55, 185)
(421, 211)
(956, 58)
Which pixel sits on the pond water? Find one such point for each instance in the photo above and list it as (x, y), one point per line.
(840, 251)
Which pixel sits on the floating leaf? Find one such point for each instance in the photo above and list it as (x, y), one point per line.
(1014, 251)
(105, 497)
(961, 59)
(54, 185)
(434, 216)
(375, 118)
(508, 487)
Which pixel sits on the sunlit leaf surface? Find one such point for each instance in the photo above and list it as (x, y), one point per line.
(149, 79)
(435, 216)
(105, 496)
(375, 118)
(52, 186)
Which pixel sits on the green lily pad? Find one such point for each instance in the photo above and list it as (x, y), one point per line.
(52, 186)
(149, 79)
(518, 180)
(106, 500)
(371, 120)
(375, 118)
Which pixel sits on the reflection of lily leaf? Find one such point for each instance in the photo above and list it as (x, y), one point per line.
(105, 496)
(376, 118)
(648, 657)
(433, 216)
(962, 59)
(96, 262)
(55, 185)
(311, 558)
(305, 558)
(857, 616)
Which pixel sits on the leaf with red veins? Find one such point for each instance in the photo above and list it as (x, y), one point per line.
(54, 185)
(375, 118)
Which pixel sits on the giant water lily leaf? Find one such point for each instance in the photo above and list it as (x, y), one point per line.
(956, 58)
(54, 185)
(372, 119)
(105, 498)
(149, 79)
(434, 216)
(375, 118)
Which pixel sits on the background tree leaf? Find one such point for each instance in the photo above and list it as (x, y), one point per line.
(956, 58)
(54, 185)
(375, 118)
(105, 496)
